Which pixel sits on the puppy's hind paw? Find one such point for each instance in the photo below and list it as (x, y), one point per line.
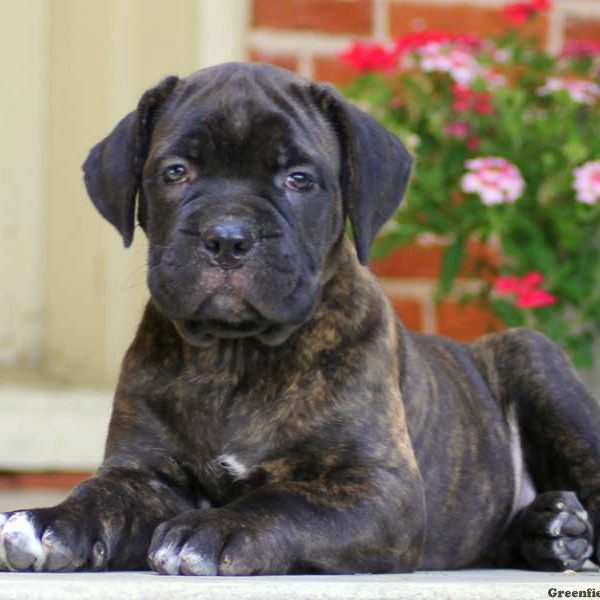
(556, 532)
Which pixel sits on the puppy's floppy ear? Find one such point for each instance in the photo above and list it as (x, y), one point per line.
(113, 168)
(375, 167)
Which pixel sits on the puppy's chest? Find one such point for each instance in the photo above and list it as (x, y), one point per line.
(241, 434)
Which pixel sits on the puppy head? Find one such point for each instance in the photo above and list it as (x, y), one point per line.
(244, 175)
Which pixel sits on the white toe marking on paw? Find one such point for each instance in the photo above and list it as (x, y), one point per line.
(196, 563)
(50, 543)
(232, 465)
(582, 515)
(19, 529)
(166, 559)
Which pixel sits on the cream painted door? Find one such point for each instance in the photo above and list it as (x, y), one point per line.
(70, 295)
(23, 117)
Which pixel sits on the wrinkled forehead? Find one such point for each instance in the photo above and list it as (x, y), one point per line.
(245, 123)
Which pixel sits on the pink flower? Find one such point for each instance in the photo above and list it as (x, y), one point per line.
(587, 182)
(415, 41)
(458, 62)
(580, 90)
(435, 51)
(495, 180)
(457, 129)
(527, 290)
(535, 299)
(502, 55)
(494, 80)
(370, 57)
(580, 49)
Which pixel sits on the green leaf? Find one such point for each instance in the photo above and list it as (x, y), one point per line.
(454, 255)
(508, 313)
(575, 150)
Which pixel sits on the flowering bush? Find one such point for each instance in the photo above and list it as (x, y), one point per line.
(507, 141)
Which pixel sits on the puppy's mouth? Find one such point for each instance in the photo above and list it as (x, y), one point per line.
(203, 332)
(206, 333)
(224, 317)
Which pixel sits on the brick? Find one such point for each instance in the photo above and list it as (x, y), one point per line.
(425, 260)
(46, 480)
(465, 322)
(333, 70)
(285, 61)
(408, 17)
(415, 260)
(582, 29)
(330, 16)
(410, 311)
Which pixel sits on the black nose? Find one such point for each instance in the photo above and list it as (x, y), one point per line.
(228, 242)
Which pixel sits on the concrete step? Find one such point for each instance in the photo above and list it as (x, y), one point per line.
(18, 499)
(446, 585)
(48, 426)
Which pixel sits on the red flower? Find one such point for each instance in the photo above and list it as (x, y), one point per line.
(527, 289)
(532, 280)
(517, 13)
(520, 12)
(462, 97)
(510, 284)
(542, 5)
(370, 57)
(483, 104)
(535, 299)
(473, 143)
(466, 99)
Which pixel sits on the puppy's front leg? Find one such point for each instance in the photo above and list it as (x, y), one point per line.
(106, 521)
(353, 521)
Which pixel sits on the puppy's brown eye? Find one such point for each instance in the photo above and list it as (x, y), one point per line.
(299, 182)
(175, 174)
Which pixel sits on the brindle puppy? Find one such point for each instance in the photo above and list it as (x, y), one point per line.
(272, 415)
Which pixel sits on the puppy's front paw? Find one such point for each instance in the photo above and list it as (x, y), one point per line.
(45, 540)
(556, 532)
(216, 542)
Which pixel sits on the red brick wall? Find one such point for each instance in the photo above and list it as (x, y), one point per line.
(56, 480)
(307, 35)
